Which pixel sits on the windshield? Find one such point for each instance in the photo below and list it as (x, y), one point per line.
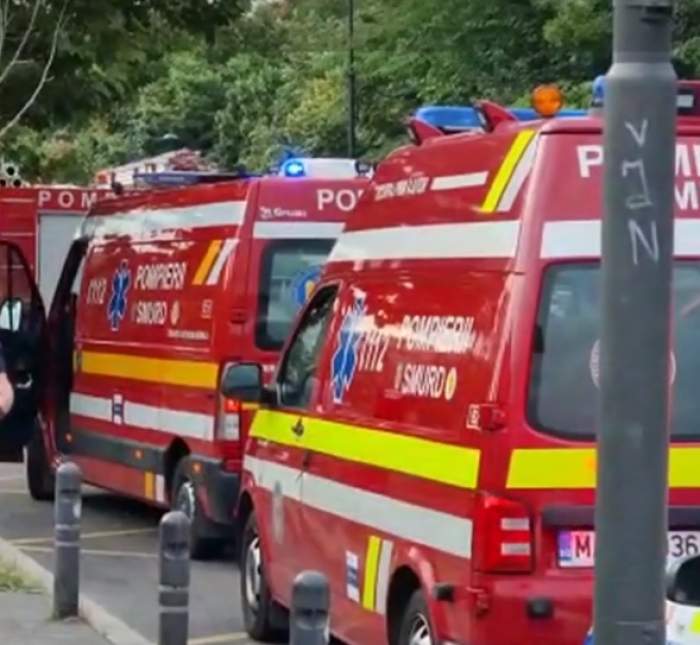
(564, 381)
(290, 271)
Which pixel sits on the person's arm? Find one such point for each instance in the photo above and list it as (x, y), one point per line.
(7, 394)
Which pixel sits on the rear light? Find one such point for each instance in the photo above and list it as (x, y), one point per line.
(502, 536)
(228, 423)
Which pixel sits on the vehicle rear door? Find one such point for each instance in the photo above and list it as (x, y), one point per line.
(24, 343)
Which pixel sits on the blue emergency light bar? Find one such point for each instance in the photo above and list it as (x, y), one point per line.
(688, 100)
(460, 118)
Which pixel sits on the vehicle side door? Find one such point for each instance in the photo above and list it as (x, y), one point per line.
(24, 347)
(279, 451)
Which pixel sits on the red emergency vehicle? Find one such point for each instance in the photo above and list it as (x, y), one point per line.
(428, 439)
(161, 289)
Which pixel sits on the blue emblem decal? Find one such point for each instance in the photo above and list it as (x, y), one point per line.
(116, 309)
(344, 362)
(303, 285)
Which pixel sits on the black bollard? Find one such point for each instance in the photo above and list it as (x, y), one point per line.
(309, 621)
(174, 592)
(67, 509)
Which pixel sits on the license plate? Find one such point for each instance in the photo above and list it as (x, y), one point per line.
(576, 548)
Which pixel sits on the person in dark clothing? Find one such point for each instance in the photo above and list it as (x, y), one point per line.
(7, 395)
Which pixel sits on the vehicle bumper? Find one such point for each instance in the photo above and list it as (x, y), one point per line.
(218, 490)
(513, 610)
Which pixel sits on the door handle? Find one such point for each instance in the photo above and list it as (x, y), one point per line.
(298, 428)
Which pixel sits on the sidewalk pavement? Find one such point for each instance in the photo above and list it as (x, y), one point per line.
(25, 619)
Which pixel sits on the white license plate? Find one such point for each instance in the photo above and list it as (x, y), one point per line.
(576, 548)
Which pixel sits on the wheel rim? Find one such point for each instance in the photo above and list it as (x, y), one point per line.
(253, 574)
(186, 500)
(420, 631)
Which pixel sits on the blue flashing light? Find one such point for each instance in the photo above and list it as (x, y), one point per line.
(293, 168)
(598, 91)
(458, 119)
(450, 118)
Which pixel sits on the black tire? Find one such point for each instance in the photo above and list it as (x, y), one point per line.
(262, 616)
(416, 620)
(40, 477)
(184, 498)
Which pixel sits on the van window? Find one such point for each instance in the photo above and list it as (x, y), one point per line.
(297, 376)
(564, 381)
(290, 270)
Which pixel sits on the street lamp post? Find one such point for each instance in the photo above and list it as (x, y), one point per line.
(637, 249)
(352, 113)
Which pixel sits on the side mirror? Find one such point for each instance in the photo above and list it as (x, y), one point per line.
(11, 314)
(683, 582)
(243, 381)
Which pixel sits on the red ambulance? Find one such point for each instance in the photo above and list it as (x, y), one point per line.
(161, 289)
(428, 439)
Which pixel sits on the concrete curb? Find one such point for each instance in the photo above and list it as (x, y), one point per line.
(107, 625)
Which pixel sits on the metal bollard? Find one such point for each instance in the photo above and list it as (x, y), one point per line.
(67, 509)
(309, 621)
(174, 591)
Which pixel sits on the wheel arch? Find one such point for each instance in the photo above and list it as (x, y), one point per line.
(404, 582)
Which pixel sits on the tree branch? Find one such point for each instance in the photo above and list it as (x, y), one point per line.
(23, 43)
(4, 16)
(44, 76)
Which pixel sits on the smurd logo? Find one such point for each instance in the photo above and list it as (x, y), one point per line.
(116, 309)
(344, 361)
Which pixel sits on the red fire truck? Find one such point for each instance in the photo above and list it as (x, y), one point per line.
(428, 440)
(42, 221)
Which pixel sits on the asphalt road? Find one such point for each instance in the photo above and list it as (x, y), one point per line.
(119, 563)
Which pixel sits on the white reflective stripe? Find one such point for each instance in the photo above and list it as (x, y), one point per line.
(383, 574)
(140, 222)
(520, 174)
(419, 524)
(94, 407)
(450, 182)
(581, 238)
(160, 489)
(297, 230)
(433, 241)
(220, 262)
(184, 424)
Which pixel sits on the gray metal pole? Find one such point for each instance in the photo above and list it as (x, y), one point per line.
(67, 509)
(174, 591)
(637, 247)
(309, 621)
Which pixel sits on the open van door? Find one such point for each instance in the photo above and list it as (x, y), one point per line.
(24, 346)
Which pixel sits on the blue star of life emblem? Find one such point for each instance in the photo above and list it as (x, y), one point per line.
(344, 362)
(116, 309)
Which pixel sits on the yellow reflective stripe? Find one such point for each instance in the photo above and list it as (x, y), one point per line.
(250, 406)
(149, 486)
(552, 468)
(695, 623)
(505, 172)
(562, 468)
(371, 564)
(151, 370)
(207, 262)
(440, 462)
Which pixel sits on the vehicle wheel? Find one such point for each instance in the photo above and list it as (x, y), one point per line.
(40, 478)
(184, 498)
(415, 623)
(262, 616)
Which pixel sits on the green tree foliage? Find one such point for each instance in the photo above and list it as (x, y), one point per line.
(245, 82)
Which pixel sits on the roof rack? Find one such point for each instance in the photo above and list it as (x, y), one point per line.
(175, 178)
